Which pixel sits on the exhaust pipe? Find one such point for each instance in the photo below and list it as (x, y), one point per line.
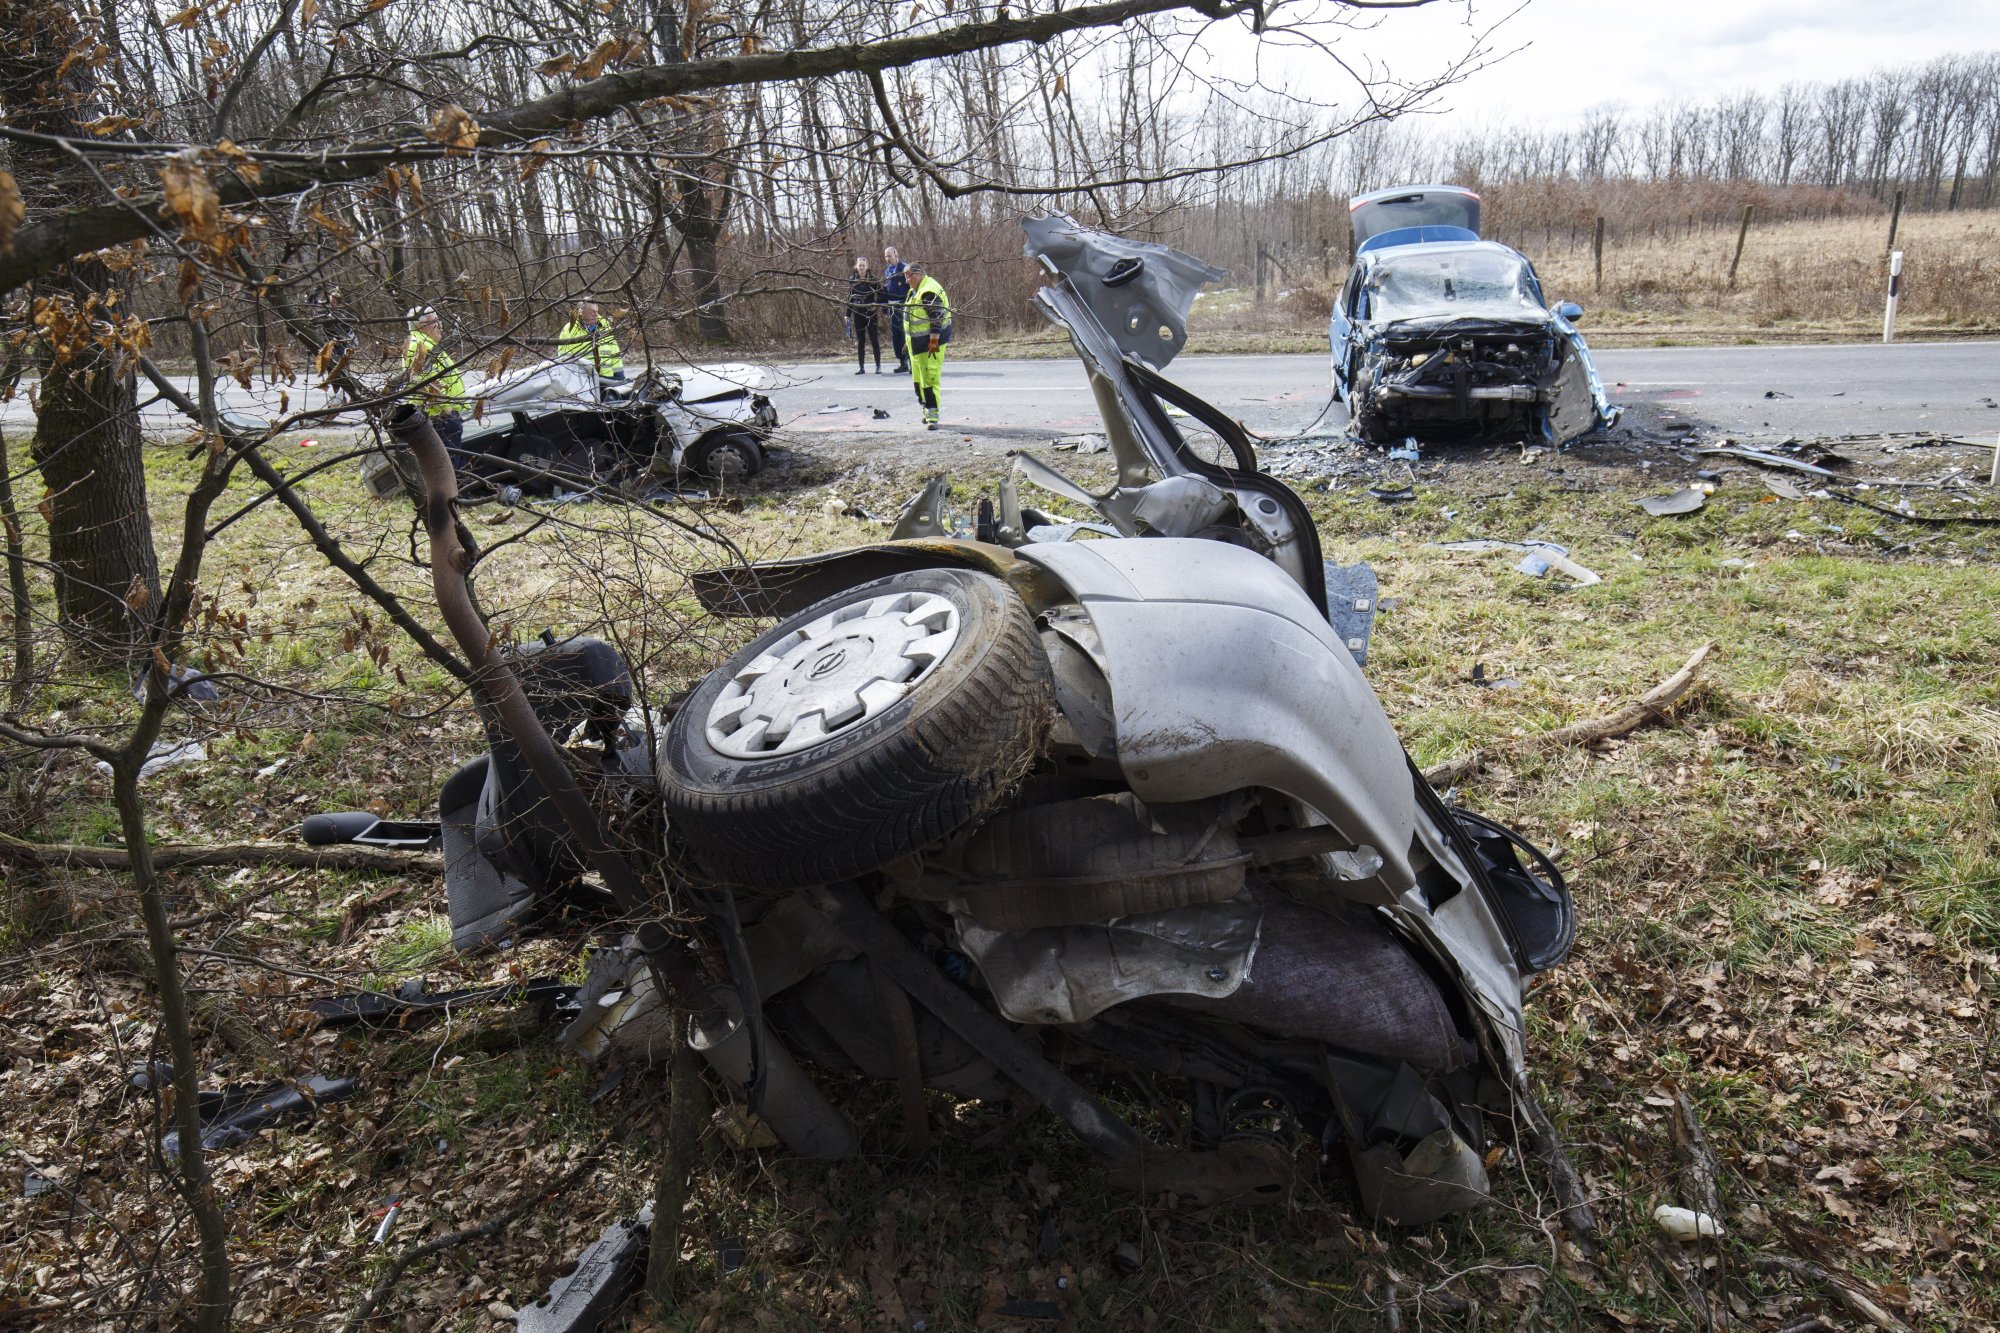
(793, 1105)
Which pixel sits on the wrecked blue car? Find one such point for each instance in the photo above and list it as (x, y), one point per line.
(1443, 336)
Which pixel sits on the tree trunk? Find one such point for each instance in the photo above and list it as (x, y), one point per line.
(711, 326)
(107, 576)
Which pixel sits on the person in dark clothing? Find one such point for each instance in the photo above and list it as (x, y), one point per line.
(864, 308)
(895, 290)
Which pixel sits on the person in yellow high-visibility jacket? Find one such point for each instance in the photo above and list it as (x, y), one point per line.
(435, 384)
(927, 327)
(588, 338)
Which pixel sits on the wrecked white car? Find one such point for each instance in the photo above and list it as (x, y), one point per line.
(1443, 336)
(555, 424)
(1067, 813)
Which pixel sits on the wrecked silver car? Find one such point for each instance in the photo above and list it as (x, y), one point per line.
(1057, 809)
(1444, 336)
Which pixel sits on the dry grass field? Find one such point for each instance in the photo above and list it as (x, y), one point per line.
(1799, 281)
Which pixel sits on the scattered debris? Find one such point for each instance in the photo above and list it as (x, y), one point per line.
(392, 1208)
(881, 414)
(1090, 443)
(234, 1114)
(602, 1277)
(1486, 682)
(1127, 1258)
(1541, 558)
(164, 755)
(1783, 489)
(1765, 459)
(1684, 501)
(184, 685)
(1406, 452)
(1685, 1223)
(1393, 494)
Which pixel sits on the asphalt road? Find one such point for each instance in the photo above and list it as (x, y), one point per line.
(1751, 392)
(1747, 391)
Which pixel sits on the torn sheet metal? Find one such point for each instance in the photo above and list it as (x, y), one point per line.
(1138, 291)
(1683, 501)
(1066, 974)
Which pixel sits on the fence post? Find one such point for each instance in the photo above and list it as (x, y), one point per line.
(1260, 273)
(1597, 251)
(1742, 232)
(1895, 216)
(1895, 290)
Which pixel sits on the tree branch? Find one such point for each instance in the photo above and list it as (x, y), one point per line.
(48, 244)
(170, 856)
(1650, 706)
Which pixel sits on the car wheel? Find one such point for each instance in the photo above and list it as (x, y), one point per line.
(731, 459)
(865, 727)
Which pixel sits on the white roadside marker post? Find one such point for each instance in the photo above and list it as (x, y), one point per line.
(1993, 478)
(1895, 290)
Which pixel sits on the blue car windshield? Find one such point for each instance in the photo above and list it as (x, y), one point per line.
(1456, 284)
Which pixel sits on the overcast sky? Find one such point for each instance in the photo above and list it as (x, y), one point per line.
(1589, 53)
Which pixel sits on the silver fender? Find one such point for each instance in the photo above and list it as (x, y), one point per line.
(1223, 677)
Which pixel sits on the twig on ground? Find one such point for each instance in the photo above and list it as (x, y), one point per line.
(1701, 1190)
(1650, 706)
(1850, 1291)
(492, 1226)
(1701, 1174)
(689, 1096)
(1547, 1146)
(170, 856)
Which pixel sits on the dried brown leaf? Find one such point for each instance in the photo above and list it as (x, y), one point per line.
(594, 63)
(455, 129)
(190, 196)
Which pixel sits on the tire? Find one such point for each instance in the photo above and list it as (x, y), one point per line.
(810, 804)
(731, 459)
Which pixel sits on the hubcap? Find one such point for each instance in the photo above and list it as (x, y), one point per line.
(829, 676)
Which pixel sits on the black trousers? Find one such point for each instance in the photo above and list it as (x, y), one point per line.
(897, 342)
(865, 334)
